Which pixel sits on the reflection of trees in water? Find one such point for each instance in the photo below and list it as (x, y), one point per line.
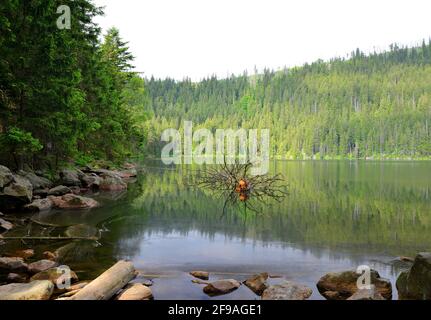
(332, 205)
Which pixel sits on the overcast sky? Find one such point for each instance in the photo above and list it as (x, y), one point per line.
(197, 38)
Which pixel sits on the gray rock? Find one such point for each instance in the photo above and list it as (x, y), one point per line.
(39, 205)
(366, 294)
(5, 225)
(200, 275)
(13, 264)
(6, 176)
(36, 290)
(220, 287)
(16, 193)
(345, 284)
(40, 193)
(36, 181)
(71, 177)
(257, 283)
(56, 275)
(41, 265)
(415, 283)
(91, 180)
(111, 181)
(59, 191)
(287, 290)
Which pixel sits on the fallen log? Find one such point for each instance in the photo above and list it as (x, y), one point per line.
(108, 283)
(50, 238)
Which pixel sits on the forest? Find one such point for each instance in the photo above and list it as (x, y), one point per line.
(71, 96)
(375, 106)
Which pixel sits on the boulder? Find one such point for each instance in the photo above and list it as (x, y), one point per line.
(135, 291)
(14, 192)
(36, 290)
(56, 275)
(36, 181)
(126, 174)
(16, 278)
(200, 275)
(71, 177)
(73, 202)
(6, 176)
(41, 265)
(415, 283)
(59, 191)
(257, 283)
(25, 254)
(13, 264)
(287, 290)
(39, 205)
(5, 225)
(342, 285)
(111, 181)
(220, 287)
(91, 181)
(366, 294)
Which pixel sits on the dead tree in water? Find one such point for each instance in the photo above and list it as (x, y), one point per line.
(237, 184)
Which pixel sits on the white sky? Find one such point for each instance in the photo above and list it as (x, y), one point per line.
(198, 38)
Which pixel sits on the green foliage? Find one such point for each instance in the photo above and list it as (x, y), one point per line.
(63, 86)
(376, 106)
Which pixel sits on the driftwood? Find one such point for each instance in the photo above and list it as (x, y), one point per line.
(108, 283)
(50, 238)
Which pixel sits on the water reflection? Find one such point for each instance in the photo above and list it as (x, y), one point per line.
(338, 215)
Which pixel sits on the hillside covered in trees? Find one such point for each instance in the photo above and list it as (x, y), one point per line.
(62, 95)
(368, 106)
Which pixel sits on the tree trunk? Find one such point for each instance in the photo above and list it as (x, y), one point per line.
(108, 283)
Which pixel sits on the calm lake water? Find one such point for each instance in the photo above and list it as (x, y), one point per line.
(338, 215)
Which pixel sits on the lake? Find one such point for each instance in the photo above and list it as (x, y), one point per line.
(337, 215)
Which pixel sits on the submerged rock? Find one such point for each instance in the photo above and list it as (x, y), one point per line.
(36, 290)
(81, 230)
(73, 202)
(39, 205)
(5, 225)
(13, 264)
(203, 275)
(135, 291)
(415, 283)
(287, 290)
(59, 191)
(257, 283)
(220, 287)
(342, 285)
(41, 265)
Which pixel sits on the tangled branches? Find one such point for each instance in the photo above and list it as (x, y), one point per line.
(235, 182)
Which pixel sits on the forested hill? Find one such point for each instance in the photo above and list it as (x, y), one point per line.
(368, 106)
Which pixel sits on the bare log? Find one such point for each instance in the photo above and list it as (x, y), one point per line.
(50, 238)
(108, 283)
